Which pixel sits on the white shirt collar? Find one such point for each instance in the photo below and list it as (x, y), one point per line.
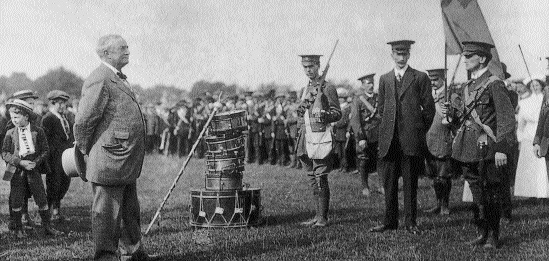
(476, 74)
(401, 71)
(54, 112)
(26, 127)
(369, 95)
(110, 67)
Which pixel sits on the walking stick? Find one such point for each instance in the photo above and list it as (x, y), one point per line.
(525, 64)
(183, 168)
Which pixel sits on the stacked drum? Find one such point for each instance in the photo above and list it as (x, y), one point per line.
(224, 202)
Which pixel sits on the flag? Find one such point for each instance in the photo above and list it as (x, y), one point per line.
(463, 21)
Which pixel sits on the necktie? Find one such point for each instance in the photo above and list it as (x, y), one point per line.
(66, 126)
(399, 77)
(121, 75)
(24, 138)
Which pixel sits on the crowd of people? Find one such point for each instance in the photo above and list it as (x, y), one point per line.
(488, 130)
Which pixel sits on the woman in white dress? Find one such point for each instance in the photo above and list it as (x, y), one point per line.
(531, 177)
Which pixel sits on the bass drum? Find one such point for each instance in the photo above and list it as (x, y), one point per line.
(239, 208)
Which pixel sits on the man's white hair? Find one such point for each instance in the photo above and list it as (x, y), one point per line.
(105, 43)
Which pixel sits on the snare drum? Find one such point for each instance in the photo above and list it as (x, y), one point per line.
(223, 181)
(231, 121)
(238, 208)
(217, 145)
(225, 163)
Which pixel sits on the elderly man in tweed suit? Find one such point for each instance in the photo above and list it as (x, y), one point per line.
(110, 132)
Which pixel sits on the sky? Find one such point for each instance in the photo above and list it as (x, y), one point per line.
(246, 42)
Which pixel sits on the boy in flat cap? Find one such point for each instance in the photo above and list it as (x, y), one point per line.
(407, 109)
(485, 123)
(364, 124)
(24, 148)
(439, 145)
(58, 131)
(314, 147)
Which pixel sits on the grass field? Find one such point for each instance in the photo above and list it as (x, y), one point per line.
(286, 201)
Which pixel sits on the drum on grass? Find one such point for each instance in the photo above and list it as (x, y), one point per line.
(223, 181)
(231, 121)
(238, 208)
(218, 145)
(211, 155)
(225, 164)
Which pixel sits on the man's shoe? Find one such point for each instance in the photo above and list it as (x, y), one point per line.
(309, 222)
(433, 210)
(413, 229)
(381, 228)
(481, 240)
(491, 243)
(321, 222)
(445, 211)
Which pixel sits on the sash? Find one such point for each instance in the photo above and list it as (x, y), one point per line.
(368, 105)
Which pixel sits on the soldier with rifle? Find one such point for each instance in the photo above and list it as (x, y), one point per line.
(485, 121)
(364, 123)
(319, 107)
(439, 144)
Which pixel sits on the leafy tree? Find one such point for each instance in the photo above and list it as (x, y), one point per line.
(59, 79)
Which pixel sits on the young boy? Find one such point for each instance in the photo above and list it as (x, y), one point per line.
(25, 147)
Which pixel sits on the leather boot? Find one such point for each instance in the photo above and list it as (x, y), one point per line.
(292, 161)
(361, 166)
(483, 230)
(313, 221)
(46, 224)
(493, 223)
(324, 201)
(436, 209)
(17, 224)
(445, 206)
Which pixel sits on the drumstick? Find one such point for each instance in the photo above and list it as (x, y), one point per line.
(183, 168)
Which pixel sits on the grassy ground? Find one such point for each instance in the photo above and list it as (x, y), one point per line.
(286, 201)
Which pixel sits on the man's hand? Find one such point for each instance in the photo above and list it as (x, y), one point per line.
(537, 150)
(27, 164)
(362, 144)
(347, 135)
(501, 159)
(444, 108)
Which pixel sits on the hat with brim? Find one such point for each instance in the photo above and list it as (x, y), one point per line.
(401, 46)
(73, 162)
(436, 73)
(505, 73)
(23, 105)
(24, 94)
(369, 76)
(475, 47)
(58, 95)
(307, 59)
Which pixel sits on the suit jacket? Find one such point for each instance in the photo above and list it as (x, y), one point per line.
(439, 136)
(110, 129)
(542, 131)
(363, 123)
(410, 110)
(10, 147)
(57, 140)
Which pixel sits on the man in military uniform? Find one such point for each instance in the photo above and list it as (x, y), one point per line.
(485, 122)
(200, 116)
(278, 128)
(292, 127)
(407, 109)
(252, 139)
(339, 129)
(318, 108)
(364, 124)
(439, 144)
(266, 131)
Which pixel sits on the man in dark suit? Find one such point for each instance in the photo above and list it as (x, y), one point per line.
(364, 124)
(59, 134)
(407, 109)
(110, 132)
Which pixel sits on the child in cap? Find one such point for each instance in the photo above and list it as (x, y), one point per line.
(25, 147)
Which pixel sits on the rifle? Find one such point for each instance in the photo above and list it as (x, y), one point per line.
(322, 79)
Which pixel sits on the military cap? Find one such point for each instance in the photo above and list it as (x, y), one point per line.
(342, 93)
(505, 73)
(475, 47)
(292, 94)
(401, 46)
(24, 94)
(367, 76)
(248, 93)
(437, 73)
(58, 94)
(23, 105)
(310, 58)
